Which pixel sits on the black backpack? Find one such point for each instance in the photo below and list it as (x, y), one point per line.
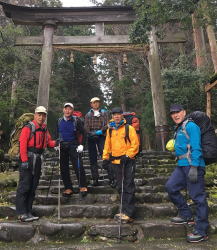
(208, 136)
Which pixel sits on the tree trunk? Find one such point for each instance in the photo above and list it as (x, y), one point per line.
(212, 44)
(157, 93)
(13, 98)
(211, 34)
(45, 70)
(200, 48)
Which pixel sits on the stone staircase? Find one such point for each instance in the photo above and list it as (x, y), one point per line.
(91, 217)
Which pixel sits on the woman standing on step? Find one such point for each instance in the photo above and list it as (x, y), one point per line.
(121, 147)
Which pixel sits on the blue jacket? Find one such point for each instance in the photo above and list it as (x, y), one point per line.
(181, 142)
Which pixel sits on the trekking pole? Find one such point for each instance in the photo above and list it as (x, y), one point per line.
(99, 156)
(79, 176)
(58, 213)
(121, 203)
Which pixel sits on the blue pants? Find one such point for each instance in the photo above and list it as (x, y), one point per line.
(179, 181)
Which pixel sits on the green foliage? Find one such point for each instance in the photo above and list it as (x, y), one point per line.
(183, 84)
(156, 13)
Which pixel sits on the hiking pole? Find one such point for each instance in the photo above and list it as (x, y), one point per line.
(58, 213)
(79, 177)
(121, 204)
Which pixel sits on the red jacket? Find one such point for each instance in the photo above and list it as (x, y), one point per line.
(40, 141)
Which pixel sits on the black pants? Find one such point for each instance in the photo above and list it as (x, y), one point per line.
(28, 182)
(68, 152)
(126, 172)
(93, 144)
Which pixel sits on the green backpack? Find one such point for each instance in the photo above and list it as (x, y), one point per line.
(22, 121)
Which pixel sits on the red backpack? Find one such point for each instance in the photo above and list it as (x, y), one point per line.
(77, 113)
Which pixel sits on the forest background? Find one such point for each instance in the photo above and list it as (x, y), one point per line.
(116, 83)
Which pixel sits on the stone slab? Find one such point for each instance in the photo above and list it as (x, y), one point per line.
(16, 232)
(89, 211)
(66, 231)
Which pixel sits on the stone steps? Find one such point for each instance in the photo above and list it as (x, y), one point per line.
(52, 199)
(91, 230)
(99, 189)
(94, 211)
(91, 218)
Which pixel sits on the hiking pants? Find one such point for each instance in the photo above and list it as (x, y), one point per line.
(127, 174)
(95, 147)
(28, 182)
(179, 181)
(68, 152)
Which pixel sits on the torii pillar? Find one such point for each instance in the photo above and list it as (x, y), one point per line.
(46, 62)
(160, 118)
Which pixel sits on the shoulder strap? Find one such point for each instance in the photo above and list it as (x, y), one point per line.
(75, 121)
(184, 128)
(59, 121)
(31, 125)
(127, 138)
(110, 132)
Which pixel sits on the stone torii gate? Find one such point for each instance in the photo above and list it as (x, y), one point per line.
(50, 18)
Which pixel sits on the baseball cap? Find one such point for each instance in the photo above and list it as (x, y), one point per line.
(95, 99)
(117, 110)
(69, 104)
(176, 108)
(41, 109)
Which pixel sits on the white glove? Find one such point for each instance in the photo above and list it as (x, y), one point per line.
(57, 148)
(80, 149)
(96, 113)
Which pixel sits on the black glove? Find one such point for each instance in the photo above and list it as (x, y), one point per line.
(192, 175)
(24, 165)
(124, 159)
(105, 164)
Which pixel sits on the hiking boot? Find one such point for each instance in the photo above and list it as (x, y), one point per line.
(83, 191)
(25, 218)
(33, 217)
(123, 218)
(180, 221)
(67, 192)
(195, 237)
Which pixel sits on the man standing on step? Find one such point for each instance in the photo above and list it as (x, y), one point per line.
(121, 147)
(71, 136)
(95, 124)
(189, 175)
(34, 138)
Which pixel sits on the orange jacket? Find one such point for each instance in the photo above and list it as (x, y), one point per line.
(115, 144)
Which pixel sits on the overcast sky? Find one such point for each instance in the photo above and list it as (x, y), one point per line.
(76, 3)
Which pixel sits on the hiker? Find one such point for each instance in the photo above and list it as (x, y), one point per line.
(188, 174)
(132, 120)
(95, 126)
(121, 146)
(31, 149)
(70, 133)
